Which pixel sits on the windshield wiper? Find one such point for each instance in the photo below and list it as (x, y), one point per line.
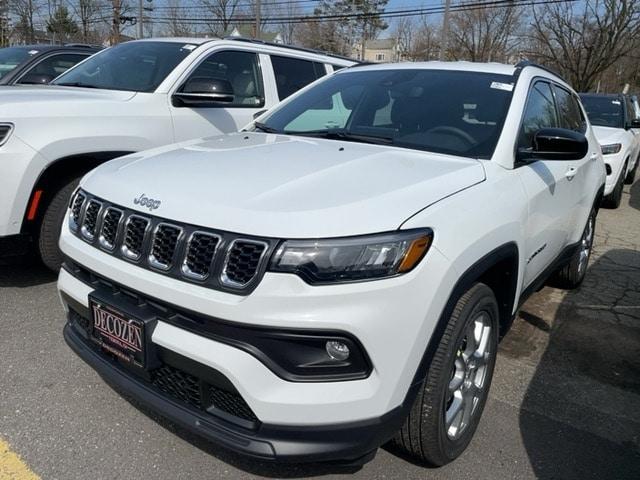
(265, 128)
(76, 84)
(342, 134)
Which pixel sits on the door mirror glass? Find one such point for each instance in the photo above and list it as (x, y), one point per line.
(203, 92)
(555, 144)
(635, 123)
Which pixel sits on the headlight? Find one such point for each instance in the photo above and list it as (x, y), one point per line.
(611, 148)
(350, 259)
(5, 132)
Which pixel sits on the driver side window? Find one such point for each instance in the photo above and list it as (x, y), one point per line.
(241, 70)
(540, 112)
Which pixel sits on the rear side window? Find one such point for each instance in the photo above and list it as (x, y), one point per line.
(570, 116)
(55, 65)
(241, 70)
(292, 74)
(540, 112)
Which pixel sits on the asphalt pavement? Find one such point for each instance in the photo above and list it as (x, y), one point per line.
(564, 404)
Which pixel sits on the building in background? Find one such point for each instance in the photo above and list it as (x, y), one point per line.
(378, 51)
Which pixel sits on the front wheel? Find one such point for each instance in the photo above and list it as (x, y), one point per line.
(51, 225)
(446, 412)
(631, 176)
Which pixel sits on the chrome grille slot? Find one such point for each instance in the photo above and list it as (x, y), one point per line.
(76, 210)
(110, 226)
(163, 248)
(90, 221)
(201, 249)
(134, 235)
(242, 262)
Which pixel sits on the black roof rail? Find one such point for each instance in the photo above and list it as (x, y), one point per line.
(81, 45)
(528, 63)
(291, 47)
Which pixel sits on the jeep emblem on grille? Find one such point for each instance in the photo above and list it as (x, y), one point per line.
(145, 201)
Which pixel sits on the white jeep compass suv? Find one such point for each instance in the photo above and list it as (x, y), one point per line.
(128, 98)
(339, 274)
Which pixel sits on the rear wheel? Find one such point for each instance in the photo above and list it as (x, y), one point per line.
(614, 198)
(572, 274)
(51, 225)
(446, 412)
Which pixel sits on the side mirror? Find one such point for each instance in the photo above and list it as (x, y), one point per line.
(203, 92)
(555, 144)
(36, 79)
(635, 123)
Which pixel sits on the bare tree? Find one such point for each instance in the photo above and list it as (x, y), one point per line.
(583, 41)
(223, 12)
(25, 11)
(418, 39)
(88, 13)
(484, 34)
(175, 26)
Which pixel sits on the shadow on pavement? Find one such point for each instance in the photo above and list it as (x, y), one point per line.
(23, 272)
(580, 417)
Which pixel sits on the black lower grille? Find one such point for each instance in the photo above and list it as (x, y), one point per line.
(231, 403)
(178, 384)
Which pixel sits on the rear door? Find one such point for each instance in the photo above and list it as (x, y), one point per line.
(548, 186)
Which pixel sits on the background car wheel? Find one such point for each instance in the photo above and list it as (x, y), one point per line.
(614, 198)
(446, 412)
(50, 227)
(631, 176)
(572, 274)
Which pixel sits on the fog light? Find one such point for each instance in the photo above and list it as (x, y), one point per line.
(337, 350)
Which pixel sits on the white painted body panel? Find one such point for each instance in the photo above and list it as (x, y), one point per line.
(628, 154)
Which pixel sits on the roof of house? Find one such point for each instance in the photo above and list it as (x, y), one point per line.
(381, 44)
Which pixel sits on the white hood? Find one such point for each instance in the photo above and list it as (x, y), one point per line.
(44, 100)
(284, 186)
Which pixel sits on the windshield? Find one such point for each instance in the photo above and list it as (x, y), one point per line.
(454, 112)
(11, 57)
(604, 111)
(135, 66)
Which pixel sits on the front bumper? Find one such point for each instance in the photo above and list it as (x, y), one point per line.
(615, 163)
(347, 441)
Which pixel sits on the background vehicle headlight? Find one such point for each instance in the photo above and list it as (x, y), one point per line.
(611, 148)
(349, 259)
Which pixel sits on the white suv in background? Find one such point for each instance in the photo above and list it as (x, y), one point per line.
(339, 274)
(615, 124)
(129, 98)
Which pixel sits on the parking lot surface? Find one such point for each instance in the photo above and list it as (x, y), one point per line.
(565, 399)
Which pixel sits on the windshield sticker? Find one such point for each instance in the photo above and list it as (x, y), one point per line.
(33, 52)
(189, 47)
(507, 87)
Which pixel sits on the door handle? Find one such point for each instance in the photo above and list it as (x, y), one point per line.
(570, 173)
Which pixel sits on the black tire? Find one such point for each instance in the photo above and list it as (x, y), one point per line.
(51, 224)
(572, 274)
(424, 434)
(631, 176)
(614, 199)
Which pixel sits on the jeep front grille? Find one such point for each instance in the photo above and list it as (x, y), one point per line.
(163, 247)
(90, 220)
(214, 259)
(134, 236)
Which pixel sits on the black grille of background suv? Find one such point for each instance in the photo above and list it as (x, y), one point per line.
(214, 259)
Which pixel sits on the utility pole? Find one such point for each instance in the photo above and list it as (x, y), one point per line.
(140, 19)
(115, 27)
(445, 31)
(258, 19)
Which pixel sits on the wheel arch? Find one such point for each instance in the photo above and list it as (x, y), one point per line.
(499, 270)
(57, 174)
